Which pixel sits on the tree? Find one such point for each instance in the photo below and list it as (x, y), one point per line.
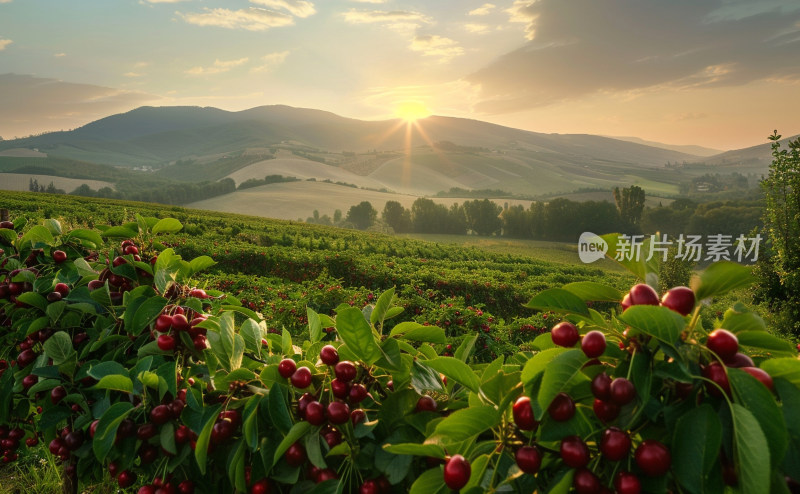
(362, 216)
(630, 203)
(396, 216)
(428, 217)
(483, 217)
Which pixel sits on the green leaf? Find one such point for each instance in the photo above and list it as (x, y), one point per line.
(115, 382)
(413, 331)
(464, 350)
(55, 310)
(250, 421)
(201, 450)
(252, 335)
(146, 313)
(787, 368)
(106, 431)
(59, 347)
(381, 306)
(424, 378)
(279, 409)
(720, 278)
(456, 370)
(286, 343)
(740, 318)
(559, 374)
(86, 235)
(695, 447)
(558, 300)
(314, 451)
(297, 431)
(314, 325)
(34, 300)
(756, 398)
(167, 438)
(119, 232)
(357, 334)
(592, 291)
(38, 234)
(200, 263)
(430, 482)
(539, 362)
(416, 449)
(659, 322)
(761, 340)
(467, 422)
(167, 225)
(751, 451)
(53, 225)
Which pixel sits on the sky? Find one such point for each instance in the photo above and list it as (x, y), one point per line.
(717, 73)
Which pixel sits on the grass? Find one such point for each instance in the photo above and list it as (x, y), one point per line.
(38, 472)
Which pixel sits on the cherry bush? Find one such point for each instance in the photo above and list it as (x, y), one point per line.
(114, 360)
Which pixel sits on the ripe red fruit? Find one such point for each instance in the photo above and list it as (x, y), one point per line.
(593, 344)
(565, 334)
(357, 416)
(761, 375)
(198, 293)
(716, 373)
(59, 256)
(562, 408)
(529, 459)
(199, 342)
(57, 394)
(286, 368)
(739, 360)
(653, 458)
(62, 288)
(574, 452)
(176, 406)
(31, 442)
(340, 389)
(180, 323)
(183, 434)
(357, 393)
(260, 487)
(163, 323)
(126, 479)
(615, 444)
(523, 414)
(425, 404)
(605, 410)
(585, 482)
(148, 453)
(186, 487)
(643, 294)
(222, 431)
(622, 391)
(295, 455)
(338, 413)
(113, 469)
(166, 342)
(680, 299)
(131, 250)
(56, 445)
(456, 472)
(160, 414)
(345, 371)
(627, 483)
(25, 358)
(6, 225)
(326, 474)
(301, 378)
(146, 431)
(370, 486)
(601, 386)
(315, 413)
(722, 342)
(329, 355)
(29, 381)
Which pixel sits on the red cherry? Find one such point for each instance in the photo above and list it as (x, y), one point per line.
(357, 393)
(57, 394)
(622, 391)
(29, 381)
(198, 293)
(338, 413)
(146, 431)
(315, 413)
(627, 483)
(161, 414)
(55, 445)
(601, 386)
(574, 452)
(59, 256)
(653, 458)
(562, 408)
(722, 342)
(113, 469)
(615, 444)
(523, 414)
(163, 323)
(176, 406)
(643, 294)
(565, 334)
(166, 342)
(605, 410)
(295, 455)
(186, 487)
(199, 342)
(231, 415)
(739, 360)
(286, 368)
(585, 482)
(62, 288)
(302, 403)
(456, 472)
(31, 442)
(131, 250)
(761, 375)
(222, 431)
(340, 389)
(180, 323)
(345, 371)
(370, 486)
(680, 299)
(529, 459)
(593, 344)
(326, 474)
(301, 378)
(357, 416)
(716, 373)
(329, 355)
(425, 404)
(126, 479)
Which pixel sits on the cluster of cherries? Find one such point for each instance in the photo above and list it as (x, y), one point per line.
(174, 320)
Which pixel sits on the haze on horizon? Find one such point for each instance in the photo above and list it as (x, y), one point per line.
(715, 73)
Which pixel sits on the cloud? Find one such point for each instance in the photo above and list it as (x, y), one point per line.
(484, 9)
(369, 1)
(298, 8)
(219, 67)
(133, 74)
(4, 43)
(33, 104)
(399, 20)
(477, 28)
(437, 46)
(250, 19)
(585, 47)
(5, 1)
(59, 55)
(270, 61)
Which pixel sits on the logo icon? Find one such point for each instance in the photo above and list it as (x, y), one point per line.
(591, 247)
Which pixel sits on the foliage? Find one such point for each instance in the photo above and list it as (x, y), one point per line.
(630, 204)
(362, 215)
(227, 404)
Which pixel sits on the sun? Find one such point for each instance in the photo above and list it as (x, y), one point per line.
(411, 111)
